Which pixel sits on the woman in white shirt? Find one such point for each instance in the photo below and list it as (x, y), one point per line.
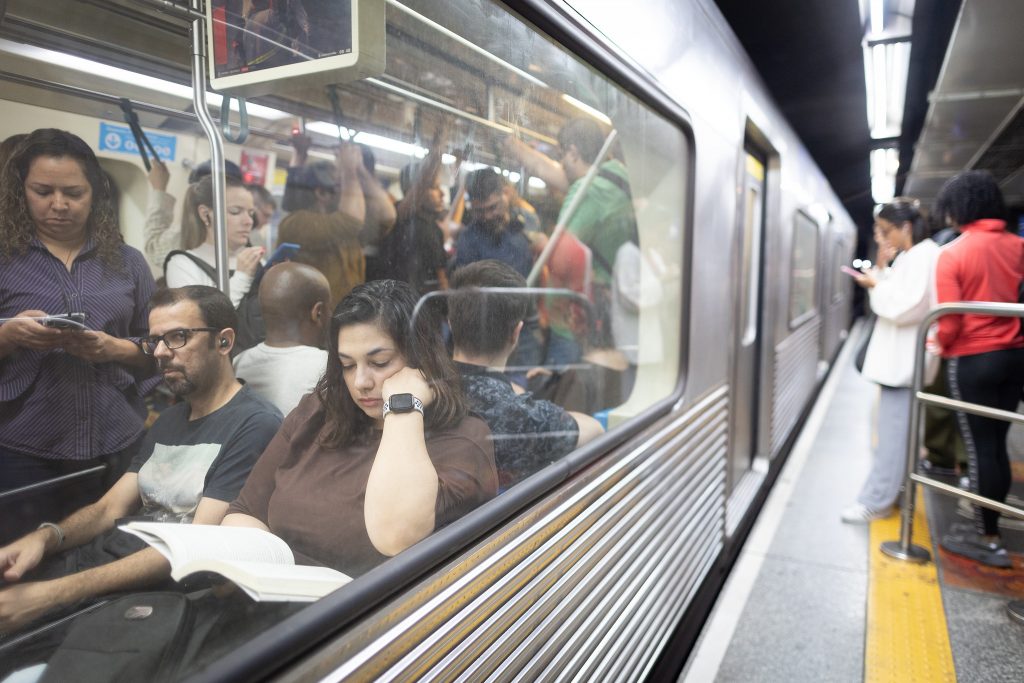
(900, 296)
(197, 219)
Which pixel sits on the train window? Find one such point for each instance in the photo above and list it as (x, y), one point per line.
(803, 269)
(483, 139)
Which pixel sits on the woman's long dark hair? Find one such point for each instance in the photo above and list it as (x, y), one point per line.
(389, 305)
(906, 210)
(16, 227)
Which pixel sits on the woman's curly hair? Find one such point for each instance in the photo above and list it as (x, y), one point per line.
(16, 226)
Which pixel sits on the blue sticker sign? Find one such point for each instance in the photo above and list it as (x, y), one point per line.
(114, 138)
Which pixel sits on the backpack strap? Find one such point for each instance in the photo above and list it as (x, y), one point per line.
(210, 271)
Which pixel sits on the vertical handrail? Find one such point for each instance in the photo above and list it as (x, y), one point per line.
(903, 549)
(220, 244)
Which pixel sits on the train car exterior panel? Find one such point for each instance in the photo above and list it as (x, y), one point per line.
(642, 525)
(795, 368)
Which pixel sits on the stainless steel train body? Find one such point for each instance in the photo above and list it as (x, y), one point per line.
(589, 569)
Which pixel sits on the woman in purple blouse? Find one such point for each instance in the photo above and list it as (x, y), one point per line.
(70, 399)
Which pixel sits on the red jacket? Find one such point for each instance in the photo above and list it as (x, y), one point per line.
(986, 263)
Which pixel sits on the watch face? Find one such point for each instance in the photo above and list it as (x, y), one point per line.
(400, 403)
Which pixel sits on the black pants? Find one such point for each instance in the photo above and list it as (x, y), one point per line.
(991, 379)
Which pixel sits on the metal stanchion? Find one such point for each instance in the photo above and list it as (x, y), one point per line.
(903, 549)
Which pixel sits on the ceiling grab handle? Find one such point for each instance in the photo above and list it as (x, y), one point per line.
(142, 142)
(220, 244)
(332, 95)
(225, 120)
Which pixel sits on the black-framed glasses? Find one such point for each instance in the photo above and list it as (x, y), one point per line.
(174, 339)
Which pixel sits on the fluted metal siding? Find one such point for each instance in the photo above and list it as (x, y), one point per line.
(599, 582)
(795, 373)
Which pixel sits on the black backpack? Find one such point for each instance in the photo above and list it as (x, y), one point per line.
(251, 329)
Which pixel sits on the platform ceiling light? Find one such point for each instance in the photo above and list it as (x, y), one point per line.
(125, 76)
(886, 63)
(885, 163)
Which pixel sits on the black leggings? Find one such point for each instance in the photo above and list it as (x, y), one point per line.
(992, 379)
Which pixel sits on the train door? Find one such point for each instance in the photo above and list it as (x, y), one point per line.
(747, 365)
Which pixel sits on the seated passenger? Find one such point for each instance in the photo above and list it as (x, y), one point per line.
(528, 433)
(197, 266)
(383, 453)
(293, 299)
(190, 465)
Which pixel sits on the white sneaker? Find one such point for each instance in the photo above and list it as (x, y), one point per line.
(858, 514)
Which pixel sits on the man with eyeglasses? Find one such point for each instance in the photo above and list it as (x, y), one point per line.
(191, 464)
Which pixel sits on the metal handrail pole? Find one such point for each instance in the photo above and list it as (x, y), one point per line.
(972, 408)
(220, 244)
(975, 498)
(903, 549)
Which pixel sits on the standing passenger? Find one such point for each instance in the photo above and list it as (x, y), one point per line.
(901, 297)
(985, 353)
(70, 400)
(196, 266)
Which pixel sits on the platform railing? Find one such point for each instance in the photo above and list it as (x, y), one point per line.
(903, 549)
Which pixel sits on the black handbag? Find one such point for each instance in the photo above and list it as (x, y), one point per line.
(862, 346)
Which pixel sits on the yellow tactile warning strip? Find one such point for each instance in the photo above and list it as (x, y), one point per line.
(907, 638)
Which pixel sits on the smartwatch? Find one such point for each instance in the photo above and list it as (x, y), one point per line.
(402, 403)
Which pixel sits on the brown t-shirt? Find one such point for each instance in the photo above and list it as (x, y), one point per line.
(329, 243)
(312, 496)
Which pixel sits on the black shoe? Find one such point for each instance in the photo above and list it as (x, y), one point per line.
(972, 547)
(1016, 611)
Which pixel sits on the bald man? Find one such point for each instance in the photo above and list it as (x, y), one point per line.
(294, 301)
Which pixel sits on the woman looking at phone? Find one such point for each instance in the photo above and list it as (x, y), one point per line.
(383, 452)
(70, 399)
(900, 295)
(196, 266)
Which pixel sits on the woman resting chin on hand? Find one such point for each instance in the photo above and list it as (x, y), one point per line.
(383, 452)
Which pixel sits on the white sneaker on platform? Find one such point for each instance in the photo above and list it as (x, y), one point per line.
(858, 514)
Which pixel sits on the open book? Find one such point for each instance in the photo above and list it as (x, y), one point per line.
(257, 561)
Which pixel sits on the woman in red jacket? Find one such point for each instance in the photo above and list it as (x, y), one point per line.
(986, 353)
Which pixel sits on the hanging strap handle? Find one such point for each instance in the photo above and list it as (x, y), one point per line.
(142, 143)
(225, 120)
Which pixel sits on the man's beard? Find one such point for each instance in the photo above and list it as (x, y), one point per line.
(180, 387)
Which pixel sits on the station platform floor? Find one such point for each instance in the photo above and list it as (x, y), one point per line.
(813, 599)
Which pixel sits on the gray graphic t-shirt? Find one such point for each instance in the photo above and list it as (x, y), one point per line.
(182, 461)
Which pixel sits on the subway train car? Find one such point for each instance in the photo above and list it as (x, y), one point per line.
(603, 565)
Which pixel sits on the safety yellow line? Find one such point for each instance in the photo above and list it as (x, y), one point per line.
(907, 638)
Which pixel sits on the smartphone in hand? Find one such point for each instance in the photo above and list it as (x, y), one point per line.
(65, 321)
(850, 271)
(284, 252)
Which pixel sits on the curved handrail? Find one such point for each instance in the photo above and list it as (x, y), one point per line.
(903, 549)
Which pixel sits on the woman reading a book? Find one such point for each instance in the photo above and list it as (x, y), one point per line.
(383, 452)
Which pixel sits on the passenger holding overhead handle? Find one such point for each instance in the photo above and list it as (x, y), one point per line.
(901, 297)
(70, 400)
(383, 453)
(191, 463)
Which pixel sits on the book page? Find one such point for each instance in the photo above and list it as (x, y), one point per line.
(182, 543)
(266, 582)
